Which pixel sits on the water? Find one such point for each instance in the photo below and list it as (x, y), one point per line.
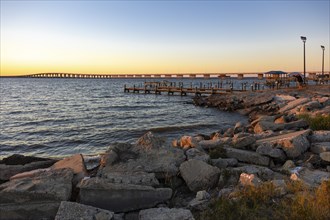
(61, 117)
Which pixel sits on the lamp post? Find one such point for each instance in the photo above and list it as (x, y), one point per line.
(323, 48)
(304, 40)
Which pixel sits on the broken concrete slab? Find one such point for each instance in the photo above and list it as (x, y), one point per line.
(320, 147)
(224, 162)
(115, 197)
(199, 175)
(45, 210)
(50, 185)
(268, 149)
(293, 144)
(76, 164)
(313, 177)
(73, 210)
(196, 154)
(7, 171)
(163, 160)
(320, 136)
(247, 156)
(292, 104)
(135, 178)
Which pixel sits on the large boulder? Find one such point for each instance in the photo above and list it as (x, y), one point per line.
(118, 197)
(8, 170)
(196, 154)
(293, 144)
(247, 156)
(269, 149)
(256, 99)
(294, 104)
(211, 144)
(149, 141)
(320, 147)
(296, 125)
(243, 142)
(73, 210)
(320, 136)
(310, 106)
(76, 164)
(50, 185)
(263, 173)
(230, 176)
(165, 214)
(284, 98)
(263, 126)
(136, 178)
(18, 159)
(312, 177)
(325, 156)
(45, 210)
(324, 101)
(224, 162)
(199, 175)
(150, 155)
(35, 196)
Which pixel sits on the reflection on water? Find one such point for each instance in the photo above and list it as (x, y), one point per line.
(58, 117)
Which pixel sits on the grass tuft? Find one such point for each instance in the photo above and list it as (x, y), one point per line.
(264, 202)
(317, 122)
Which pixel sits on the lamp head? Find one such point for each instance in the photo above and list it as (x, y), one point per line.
(322, 47)
(303, 38)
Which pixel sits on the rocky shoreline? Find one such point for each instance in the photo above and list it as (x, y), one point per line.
(155, 179)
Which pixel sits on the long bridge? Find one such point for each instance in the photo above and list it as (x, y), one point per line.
(159, 75)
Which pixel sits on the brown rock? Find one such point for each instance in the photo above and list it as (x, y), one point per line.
(76, 164)
(280, 120)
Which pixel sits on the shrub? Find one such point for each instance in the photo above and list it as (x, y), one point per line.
(317, 122)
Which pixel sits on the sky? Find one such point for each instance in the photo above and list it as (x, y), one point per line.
(136, 37)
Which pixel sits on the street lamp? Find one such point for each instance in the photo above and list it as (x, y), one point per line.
(304, 40)
(323, 48)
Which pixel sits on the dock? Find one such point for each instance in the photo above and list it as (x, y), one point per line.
(173, 88)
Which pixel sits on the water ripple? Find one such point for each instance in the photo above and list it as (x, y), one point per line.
(59, 117)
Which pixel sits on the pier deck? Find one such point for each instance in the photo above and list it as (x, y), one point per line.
(178, 90)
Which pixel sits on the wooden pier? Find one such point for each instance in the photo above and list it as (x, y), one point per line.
(177, 88)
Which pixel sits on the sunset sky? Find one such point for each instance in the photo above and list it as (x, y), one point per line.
(162, 36)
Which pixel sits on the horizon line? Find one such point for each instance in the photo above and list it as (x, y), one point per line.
(158, 74)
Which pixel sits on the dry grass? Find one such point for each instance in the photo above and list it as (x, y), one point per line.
(265, 203)
(318, 122)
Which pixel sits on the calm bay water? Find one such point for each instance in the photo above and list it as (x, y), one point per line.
(60, 117)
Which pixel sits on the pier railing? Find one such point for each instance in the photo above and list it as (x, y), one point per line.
(220, 87)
